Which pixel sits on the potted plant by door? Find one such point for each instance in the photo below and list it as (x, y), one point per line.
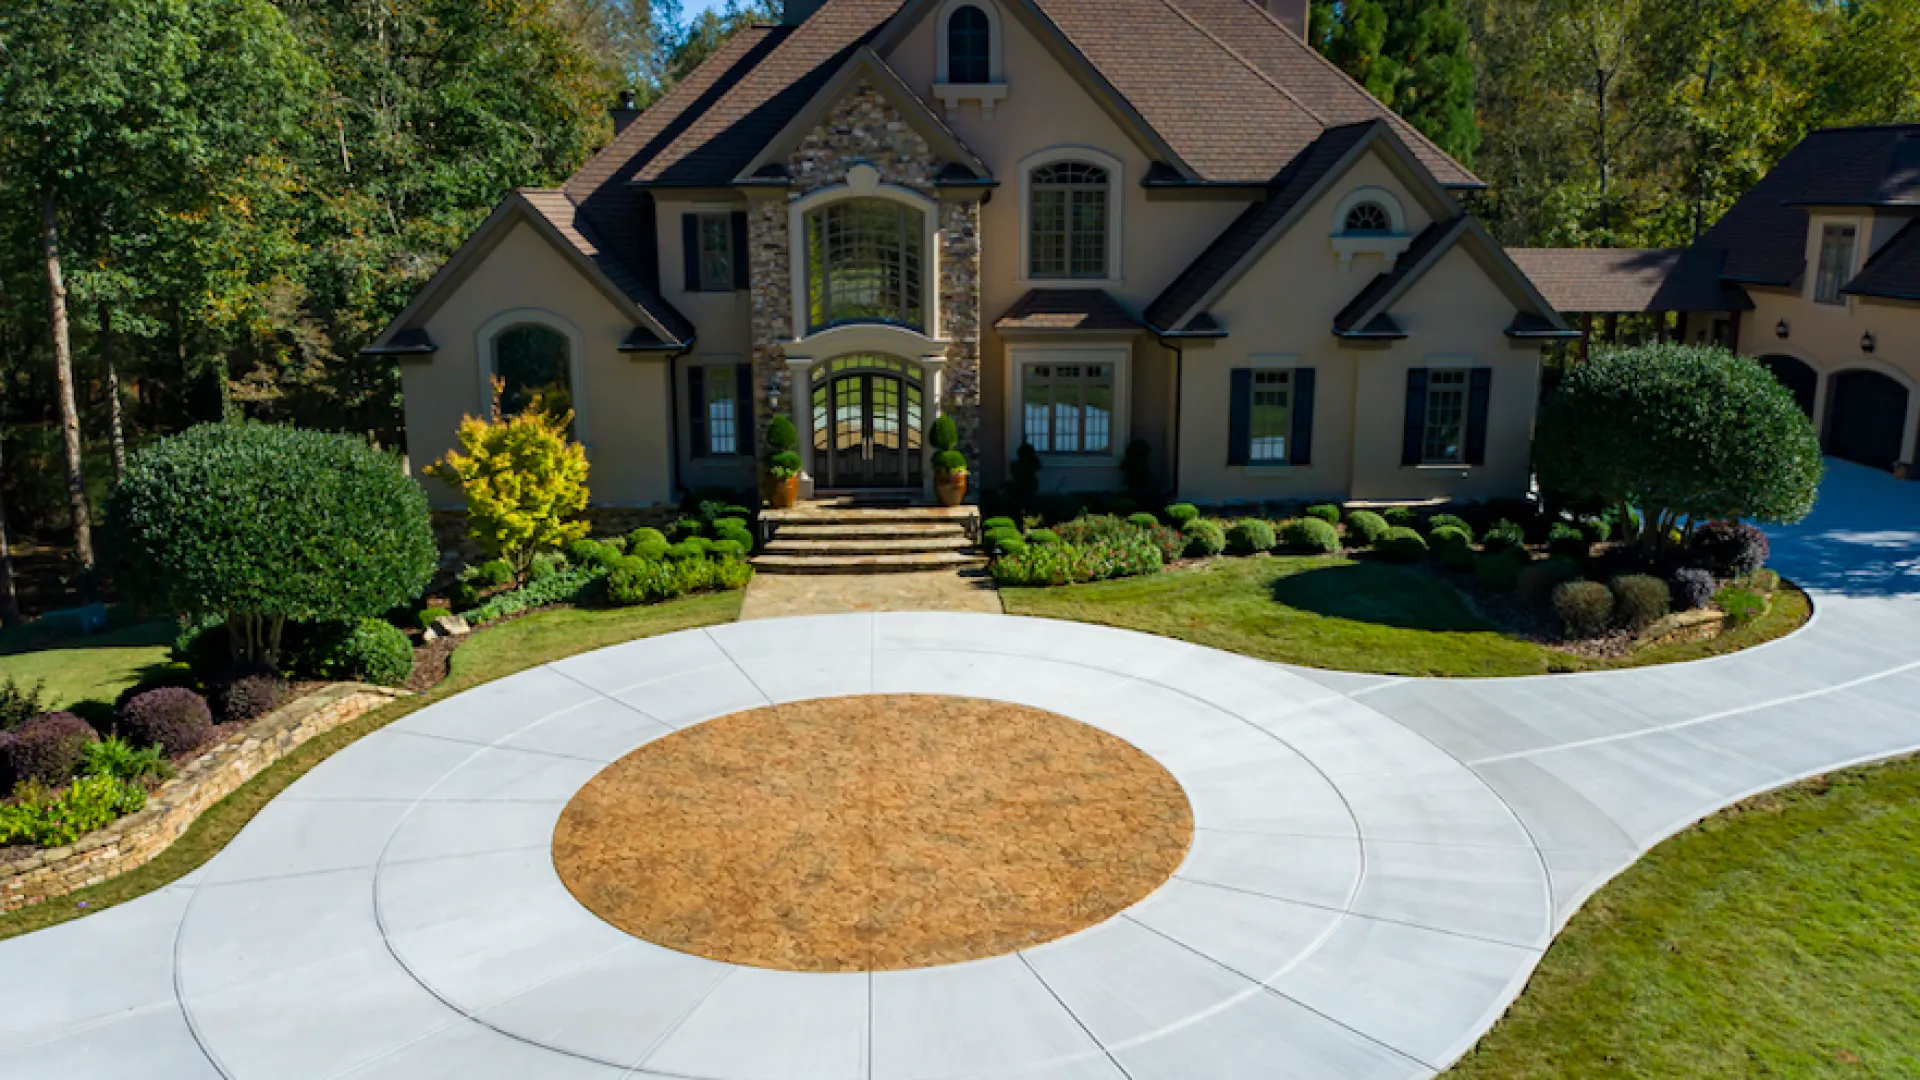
(949, 464)
(783, 465)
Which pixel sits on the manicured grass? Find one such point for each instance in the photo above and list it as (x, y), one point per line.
(491, 654)
(1778, 939)
(91, 668)
(1332, 612)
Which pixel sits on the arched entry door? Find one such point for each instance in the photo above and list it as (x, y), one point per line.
(1797, 376)
(1866, 415)
(866, 422)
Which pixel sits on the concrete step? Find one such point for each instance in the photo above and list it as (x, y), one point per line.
(816, 514)
(867, 564)
(782, 545)
(885, 530)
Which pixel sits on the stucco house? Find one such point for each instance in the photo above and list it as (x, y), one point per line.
(1815, 273)
(1069, 223)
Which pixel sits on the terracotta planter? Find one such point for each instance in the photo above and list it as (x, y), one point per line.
(950, 488)
(782, 494)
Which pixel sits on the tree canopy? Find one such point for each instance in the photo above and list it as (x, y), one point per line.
(1414, 55)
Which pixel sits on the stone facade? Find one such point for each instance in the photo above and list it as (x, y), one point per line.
(29, 876)
(865, 128)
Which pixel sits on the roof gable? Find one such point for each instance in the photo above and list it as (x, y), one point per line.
(1894, 271)
(1371, 309)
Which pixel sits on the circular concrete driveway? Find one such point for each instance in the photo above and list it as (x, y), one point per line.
(1377, 865)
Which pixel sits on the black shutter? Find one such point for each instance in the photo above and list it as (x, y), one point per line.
(1240, 416)
(1300, 450)
(690, 249)
(697, 409)
(743, 426)
(1479, 390)
(1416, 427)
(740, 266)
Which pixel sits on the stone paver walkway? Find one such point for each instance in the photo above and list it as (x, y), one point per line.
(1378, 863)
(776, 596)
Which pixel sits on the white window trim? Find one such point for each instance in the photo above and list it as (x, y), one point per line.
(742, 429)
(1452, 362)
(1116, 192)
(989, 93)
(486, 369)
(1389, 246)
(863, 182)
(1119, 434)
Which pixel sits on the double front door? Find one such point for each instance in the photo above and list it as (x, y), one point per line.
(866, 423)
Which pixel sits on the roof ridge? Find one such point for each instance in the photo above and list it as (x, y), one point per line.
(1244, 62)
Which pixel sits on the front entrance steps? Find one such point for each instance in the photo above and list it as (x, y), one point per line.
(856, 536)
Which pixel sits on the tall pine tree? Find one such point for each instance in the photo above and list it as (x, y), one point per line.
(1414, 55)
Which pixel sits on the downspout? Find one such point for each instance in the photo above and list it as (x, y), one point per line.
(1179, 389)
(673, 422)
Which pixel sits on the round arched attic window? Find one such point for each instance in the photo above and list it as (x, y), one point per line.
(1367, 218)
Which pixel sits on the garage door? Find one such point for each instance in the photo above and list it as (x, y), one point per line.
(1866, 417)
(1796, 376)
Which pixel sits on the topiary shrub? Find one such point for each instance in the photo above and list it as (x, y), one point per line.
(1444, 537)
(1205, 537)
(1567, 540)
(736, 530)
(1403, 545)
(1311, 534)
(1731, 549)
(243, 695)
(644, 581)
(364, 650)
(692, 548)
(1585, 607)
(647, 544)
(1449, 521)
(1365, 528)
(1400, 517)
(1143, 520)
(1537, 581)
(257, 525)
(1503, 535)
(1326, 512)
(48, 748)
(943, 434)
(1248, 536)
(1691, 588)
(1000, 539)
(1042, 536)
(1181, 513)
(172, 718)
(994, 524)
(1499, 571)
(1639, 599)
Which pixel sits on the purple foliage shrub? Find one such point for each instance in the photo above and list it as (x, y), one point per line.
(1730, 549)
(172, 718)
(48, 748)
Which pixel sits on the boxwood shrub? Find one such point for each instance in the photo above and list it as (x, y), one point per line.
(1403, 545)
(1326, 512)
(1037, 537)
(995, 523)
(1143, 519)
(1248, 536)
(1449, 521)
(1205, 537)
(1503, 535)
(1585, 607)
(1400, 517)
(1537, 581)
(1499, 571)
(1448, 536)
(646, 543)
(1639, 599)
(1313, 534)
(1456, 556)
(369, 650)
(1181, 513)
(1366, 528)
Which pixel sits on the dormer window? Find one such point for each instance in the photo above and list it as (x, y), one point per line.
(969, 61)
(1370, 221)
(1836, 263)
(968, 38)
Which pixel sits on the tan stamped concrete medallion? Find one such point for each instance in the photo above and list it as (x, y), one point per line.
(872, 833)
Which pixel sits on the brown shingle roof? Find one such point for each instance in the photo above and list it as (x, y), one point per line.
(1066, 309)
(1597, 280)
(561, 212)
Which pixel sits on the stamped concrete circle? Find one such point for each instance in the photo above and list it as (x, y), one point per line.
(872, 833)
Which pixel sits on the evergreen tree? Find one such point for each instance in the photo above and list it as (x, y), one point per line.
(1414, 55)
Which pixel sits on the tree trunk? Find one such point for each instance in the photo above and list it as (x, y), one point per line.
(69, 412)
(9, 600)
(115, 419)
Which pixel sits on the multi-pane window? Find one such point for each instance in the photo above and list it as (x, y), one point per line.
(1068, 408)
(1836, 263)
(1443, 441)
(1270, 417)
(723, 410)
(531, 365)
(1068, 221)
(716, 252)
(1368, 217)
(968, 44)
(864, 263)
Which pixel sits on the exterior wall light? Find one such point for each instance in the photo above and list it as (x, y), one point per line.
(1780, 330)
(1866, 341)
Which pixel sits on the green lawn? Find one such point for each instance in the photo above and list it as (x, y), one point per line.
(1778, 939)
(91, 668)
(490, 654)
(1332, 612)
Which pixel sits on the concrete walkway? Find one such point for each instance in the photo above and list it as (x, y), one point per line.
(1379, 863)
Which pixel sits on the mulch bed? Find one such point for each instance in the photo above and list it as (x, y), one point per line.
(872, 833)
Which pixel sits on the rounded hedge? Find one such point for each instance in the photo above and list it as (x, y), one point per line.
(1400, 517)
(1691, 588)
(1326, 512)
(172, 718)
(995, 523)
(647, 544)
(1144, 520)
(1586, 607)
(1639, 599)
(1204, 537)
(1248, 536)
(1449, 536)
(1042, 536)
(1729, 548)
(1313, 534)
(365, 650)
(1366, 528)
(1181, 513)
(1403, 545)
(1503, 535)
(1537, 581)
(1455, 555)
(257, 524)
(48, 748)
(244, 695)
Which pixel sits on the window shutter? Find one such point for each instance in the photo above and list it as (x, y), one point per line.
(690, 249)
(1479, 391)
(1300, 444)
(697, 409)
(743, 426)
(741, 268)
(1416, 427)
(1240, 416)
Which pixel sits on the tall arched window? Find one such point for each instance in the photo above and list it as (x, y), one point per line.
(969, 46)
(1068, 219)
(532, 364)
(864, 263)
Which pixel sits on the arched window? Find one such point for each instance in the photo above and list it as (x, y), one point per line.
(1068, 219)
(864, 263)
(1366, 218)
(532, 364)
(969, 46)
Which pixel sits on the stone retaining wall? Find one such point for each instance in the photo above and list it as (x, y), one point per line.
(30, 876)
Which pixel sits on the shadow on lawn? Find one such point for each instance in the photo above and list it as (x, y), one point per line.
(1380, 594)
